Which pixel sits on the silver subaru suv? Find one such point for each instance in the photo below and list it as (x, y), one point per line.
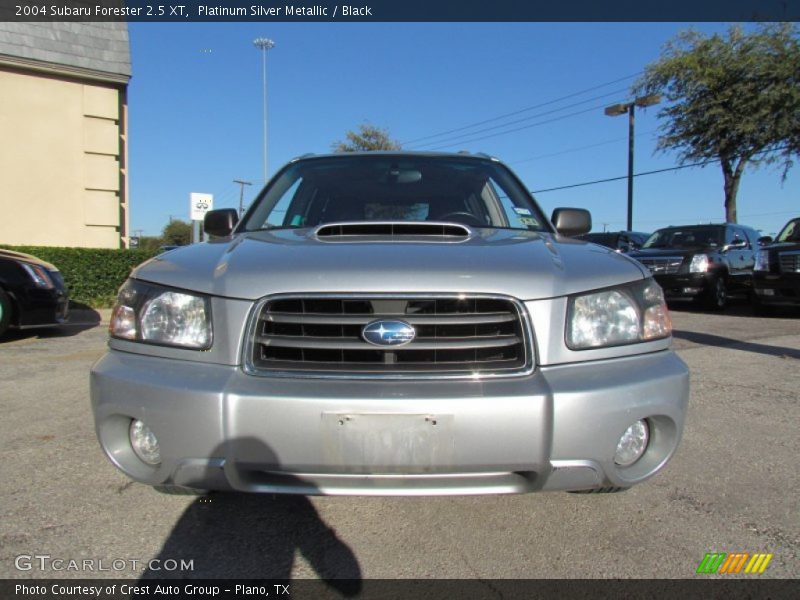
(391, 324)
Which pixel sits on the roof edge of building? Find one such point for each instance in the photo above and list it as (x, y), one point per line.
(40, 66)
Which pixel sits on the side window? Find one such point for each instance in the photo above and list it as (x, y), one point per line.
(739, 234)
(729, 235)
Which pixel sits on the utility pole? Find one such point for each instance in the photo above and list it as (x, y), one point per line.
(241, 194)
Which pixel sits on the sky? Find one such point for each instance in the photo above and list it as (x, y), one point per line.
(538, 90)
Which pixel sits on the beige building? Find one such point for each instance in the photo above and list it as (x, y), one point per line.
(63, 132)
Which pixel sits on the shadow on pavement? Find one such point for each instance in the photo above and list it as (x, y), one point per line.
(708, 339)
(257, 536)
(736, 308)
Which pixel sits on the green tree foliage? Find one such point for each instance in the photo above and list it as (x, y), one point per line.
(368, 138)
(177, 233)
(150, 243)
(734, 98)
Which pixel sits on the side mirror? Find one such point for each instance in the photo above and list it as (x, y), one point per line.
(571, 221)
(765, 241)
(736, 245)
(220, 222)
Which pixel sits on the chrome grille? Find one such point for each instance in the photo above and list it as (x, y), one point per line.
(455, 335)
(663, 265)
(789, 262)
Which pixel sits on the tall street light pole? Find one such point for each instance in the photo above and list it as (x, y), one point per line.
(620, 109)
(264, 44)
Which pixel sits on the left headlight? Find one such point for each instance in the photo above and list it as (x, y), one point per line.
(762, 261)
(626, 314)
(41, 278)
(157, 315)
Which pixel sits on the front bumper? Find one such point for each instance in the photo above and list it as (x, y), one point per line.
(41, 308)
(777, 290)
(686, 285)
(556, 429)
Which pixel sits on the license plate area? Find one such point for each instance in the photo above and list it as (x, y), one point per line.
(384, 443)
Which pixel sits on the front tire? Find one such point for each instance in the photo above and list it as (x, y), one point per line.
(717, 297)
(5, 312)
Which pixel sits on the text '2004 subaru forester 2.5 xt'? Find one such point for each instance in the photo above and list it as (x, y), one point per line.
(391, 323)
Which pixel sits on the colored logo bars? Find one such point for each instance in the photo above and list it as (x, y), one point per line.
(727, 564)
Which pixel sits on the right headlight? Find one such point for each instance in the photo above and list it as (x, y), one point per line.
(626, 314)
(762, 261)
(157, 315)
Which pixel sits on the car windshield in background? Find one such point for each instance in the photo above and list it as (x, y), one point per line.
(355, 188)
(686, 237)
(790, 233)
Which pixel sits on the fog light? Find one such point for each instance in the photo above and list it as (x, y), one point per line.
(144, 443)
(632, 444)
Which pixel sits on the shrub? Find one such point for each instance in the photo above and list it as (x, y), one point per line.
(93, 275)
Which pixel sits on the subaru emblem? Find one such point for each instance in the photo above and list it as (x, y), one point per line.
(388, 333)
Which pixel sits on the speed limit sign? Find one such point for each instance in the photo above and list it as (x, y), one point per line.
(199, 205)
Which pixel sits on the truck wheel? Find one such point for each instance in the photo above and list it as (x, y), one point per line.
(717, 297)
(5, 312)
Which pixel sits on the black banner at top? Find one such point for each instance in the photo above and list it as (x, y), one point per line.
(398, 10)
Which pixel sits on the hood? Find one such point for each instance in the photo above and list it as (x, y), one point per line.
(28, 258)
(782, 246)
(658, 252)
(525, 265)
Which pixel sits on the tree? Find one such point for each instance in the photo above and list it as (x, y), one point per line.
(368, 138)
(150, 243)
(177, 233)
(733, 99)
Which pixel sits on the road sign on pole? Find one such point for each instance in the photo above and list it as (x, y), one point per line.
(199, 205)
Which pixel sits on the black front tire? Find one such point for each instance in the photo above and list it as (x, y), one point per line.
(5, 312)
(717, 296)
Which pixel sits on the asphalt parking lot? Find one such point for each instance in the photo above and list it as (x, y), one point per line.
(733, 487)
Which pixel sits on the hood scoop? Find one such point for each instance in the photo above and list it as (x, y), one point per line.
(397, 229)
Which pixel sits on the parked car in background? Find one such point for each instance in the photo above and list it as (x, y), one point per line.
(706, 263)
(32, 293)
(391, 324)
(776, 278)
(621, 241)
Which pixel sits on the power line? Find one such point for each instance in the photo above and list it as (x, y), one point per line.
(523, 120)
(537, 124)
(697, 164)
(579, 148)
(522, 110)
(596, 181)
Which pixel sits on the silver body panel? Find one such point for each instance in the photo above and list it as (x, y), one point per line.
(552, 430)
(525, 265)
(553, 423)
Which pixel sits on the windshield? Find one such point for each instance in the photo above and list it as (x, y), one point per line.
(358, 188)
(686, 237)
(790, 233)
